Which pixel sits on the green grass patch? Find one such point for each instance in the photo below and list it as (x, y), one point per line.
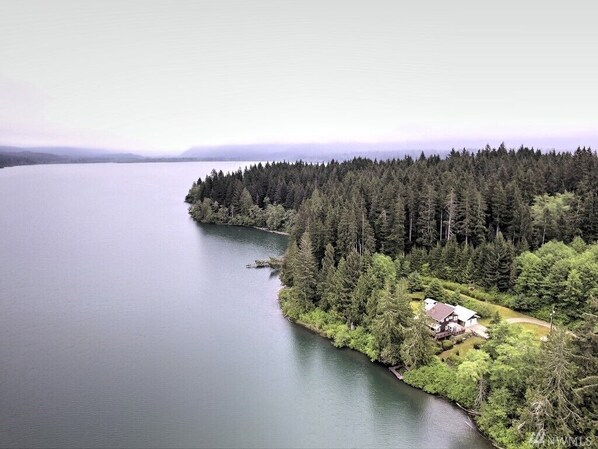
(415, 305)
(537, 330)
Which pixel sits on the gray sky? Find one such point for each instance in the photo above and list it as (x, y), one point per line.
(156, 76)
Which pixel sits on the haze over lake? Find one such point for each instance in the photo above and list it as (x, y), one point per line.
(124, 323)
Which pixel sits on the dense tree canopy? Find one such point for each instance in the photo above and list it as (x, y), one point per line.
(391, 206)
(464, 218)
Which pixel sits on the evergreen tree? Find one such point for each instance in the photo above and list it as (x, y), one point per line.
(498, 264)
(435, 291)
(325, 284)
(393, 316)
(551, 404)
(395, 238)
(418, 347)
(289, 264)
(245, 202)
(426, 223)
(305, 271)
(586, 359)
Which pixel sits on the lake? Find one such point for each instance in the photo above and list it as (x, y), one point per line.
(125, 324)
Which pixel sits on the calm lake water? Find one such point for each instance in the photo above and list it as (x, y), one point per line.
(125, 324)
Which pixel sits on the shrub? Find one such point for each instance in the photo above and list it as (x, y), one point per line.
(433, 378)
(447, 344)
(291, 307)
(340, 335)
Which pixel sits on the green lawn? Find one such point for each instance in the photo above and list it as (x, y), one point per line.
(538, 331)
(415, 305)
(504, 312)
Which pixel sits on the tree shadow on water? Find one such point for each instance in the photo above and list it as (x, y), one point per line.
(274, 243)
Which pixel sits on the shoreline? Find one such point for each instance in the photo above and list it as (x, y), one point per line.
(469, 415)
(271, 231)
(266, 230)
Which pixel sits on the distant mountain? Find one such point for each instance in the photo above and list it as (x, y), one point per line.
(303, 151)
(11, 155)
(8, 159)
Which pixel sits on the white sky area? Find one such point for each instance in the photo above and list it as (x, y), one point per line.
(163, 76)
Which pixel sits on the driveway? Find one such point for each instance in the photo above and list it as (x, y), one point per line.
(529, 320)
(479, 330)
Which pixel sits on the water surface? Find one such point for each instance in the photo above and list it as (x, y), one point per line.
(125, 324)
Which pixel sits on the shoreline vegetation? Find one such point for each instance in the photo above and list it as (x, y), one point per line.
(507, 233)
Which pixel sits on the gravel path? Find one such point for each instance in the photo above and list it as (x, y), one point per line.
(529, 320)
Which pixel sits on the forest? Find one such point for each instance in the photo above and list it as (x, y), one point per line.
(368, 237)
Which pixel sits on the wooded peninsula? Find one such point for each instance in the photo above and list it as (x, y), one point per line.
(510, 235)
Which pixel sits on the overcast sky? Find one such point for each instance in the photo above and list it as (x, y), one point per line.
(157, 76)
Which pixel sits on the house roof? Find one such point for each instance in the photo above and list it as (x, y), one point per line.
(464, 313)
(440, 311)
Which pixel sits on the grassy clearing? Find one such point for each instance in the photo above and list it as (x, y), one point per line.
(537, 330)
(503, 311)
(415, 305)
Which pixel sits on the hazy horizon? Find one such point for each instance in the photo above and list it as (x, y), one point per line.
(161, 77)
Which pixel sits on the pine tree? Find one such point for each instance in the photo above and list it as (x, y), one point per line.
(395, 238)
(245, 202)
(435, 291)
(305, 271)
(586, 358)
(287, 275)
(418, 347)
(393, 316)
(351, 276)
(383, 224)
(498, 263)
(347, 232)
(550, 405)
(426, 223)
(325, 284)
(450, 206)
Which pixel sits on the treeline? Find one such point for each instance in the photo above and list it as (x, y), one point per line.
(398, 205)
(464, 218)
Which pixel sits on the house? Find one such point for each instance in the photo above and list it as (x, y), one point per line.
(466, 317)
(443, 320)
(446, 320)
